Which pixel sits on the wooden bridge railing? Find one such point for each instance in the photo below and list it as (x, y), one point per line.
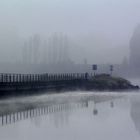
(12, 78)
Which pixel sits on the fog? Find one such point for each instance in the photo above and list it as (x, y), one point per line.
(98, 31)
(56, 116)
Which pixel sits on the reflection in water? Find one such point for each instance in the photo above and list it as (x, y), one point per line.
(31, 113)
(95, 111)
(65, 107)
(71, 116)
(111, 104)
(135, 112)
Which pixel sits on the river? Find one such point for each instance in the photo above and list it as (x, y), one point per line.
(72, 116)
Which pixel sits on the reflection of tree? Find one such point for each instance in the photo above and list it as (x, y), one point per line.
(135, 113)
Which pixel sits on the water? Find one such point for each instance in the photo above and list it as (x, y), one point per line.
(72, 116)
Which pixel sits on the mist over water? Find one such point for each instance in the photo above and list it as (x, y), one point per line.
(73, 115)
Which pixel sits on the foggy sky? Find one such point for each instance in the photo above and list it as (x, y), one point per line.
(105, 25)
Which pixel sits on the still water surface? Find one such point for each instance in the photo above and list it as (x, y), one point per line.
(72, 116)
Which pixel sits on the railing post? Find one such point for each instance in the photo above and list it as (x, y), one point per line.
(63, 76)
(6, 78)
(13, 77)
(50, 77)
(30, 78)
(10, 78)
(35, 77)
(43, 78)
(38, 78)
(16, 77)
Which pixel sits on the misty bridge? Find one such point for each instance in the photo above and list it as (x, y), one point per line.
(23, 82)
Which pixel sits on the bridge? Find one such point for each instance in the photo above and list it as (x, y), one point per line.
(22, 82)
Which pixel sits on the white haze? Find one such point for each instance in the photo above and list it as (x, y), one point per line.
(99, 30)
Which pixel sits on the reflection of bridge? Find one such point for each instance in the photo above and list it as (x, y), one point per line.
(13, 117)
(9, 114)
(17, 82)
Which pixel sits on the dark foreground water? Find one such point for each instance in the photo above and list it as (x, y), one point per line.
(72, 116)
